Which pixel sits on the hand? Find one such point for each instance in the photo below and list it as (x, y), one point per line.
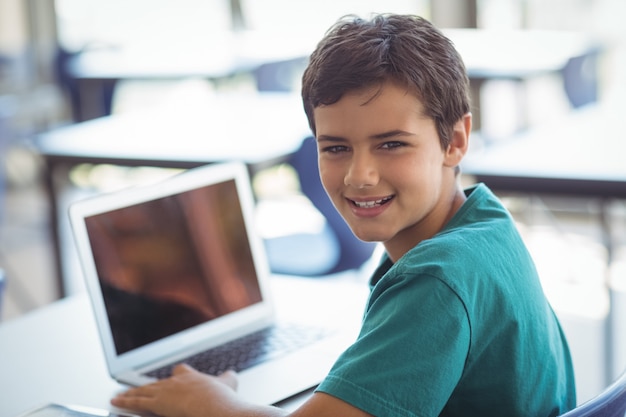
(187, 393)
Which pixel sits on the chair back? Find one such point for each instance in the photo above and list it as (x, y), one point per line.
(580, 78)
(611, 402)
(280, 76)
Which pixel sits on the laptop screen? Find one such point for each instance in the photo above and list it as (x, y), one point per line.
(171, 263)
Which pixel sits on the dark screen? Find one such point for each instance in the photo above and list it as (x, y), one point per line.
(172, 263)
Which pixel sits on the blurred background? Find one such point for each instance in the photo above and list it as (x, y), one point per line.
(539, 68)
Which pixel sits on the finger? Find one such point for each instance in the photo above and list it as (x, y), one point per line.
(137, 403)
(229, 378)
(181, 368)
(142, 391)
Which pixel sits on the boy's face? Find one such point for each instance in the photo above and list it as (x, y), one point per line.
(382, 165)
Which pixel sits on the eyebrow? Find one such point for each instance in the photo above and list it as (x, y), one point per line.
(391, 134)
(378, 136)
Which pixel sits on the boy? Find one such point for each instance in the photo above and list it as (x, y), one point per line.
(457, 323)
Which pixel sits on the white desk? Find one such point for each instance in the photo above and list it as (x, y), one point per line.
(221, 55)
(53, 354)
(254, 128)
(579, 154)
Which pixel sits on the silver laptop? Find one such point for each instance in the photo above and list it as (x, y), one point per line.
(175, 269)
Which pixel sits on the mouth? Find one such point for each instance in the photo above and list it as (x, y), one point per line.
(371, 203)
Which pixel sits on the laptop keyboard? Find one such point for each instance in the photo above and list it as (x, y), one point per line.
(248, 350)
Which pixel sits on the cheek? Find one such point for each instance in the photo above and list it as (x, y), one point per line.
(413, 179)
(329, 176)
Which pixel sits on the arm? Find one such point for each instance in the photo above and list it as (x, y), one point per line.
(189, 393)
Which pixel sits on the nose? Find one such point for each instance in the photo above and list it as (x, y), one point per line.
(362, 172)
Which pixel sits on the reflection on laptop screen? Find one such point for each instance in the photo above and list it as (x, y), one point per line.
(172, 263)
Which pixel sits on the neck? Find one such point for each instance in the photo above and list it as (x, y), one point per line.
(427, 227)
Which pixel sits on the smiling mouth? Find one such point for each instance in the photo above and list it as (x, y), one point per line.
(372, 203)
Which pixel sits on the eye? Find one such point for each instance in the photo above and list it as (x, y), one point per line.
(392, 145)
(334, 149)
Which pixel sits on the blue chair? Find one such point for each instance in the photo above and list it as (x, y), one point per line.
(609, 403)
(335, 249)
(580, 78)
(279, 76)
(103, 90)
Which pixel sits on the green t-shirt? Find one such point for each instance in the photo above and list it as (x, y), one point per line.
(459, 326)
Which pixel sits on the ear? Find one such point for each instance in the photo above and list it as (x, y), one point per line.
(459, 141)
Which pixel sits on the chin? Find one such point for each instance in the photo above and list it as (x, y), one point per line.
(370, 236)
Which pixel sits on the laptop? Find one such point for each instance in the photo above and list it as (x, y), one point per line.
(175, 268)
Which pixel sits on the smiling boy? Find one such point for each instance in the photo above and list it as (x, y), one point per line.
(382, 164)
(457, 323)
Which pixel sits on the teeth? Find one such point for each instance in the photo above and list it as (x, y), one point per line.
(370, 204)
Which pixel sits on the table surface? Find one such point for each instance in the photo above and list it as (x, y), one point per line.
(518, 54)
(580, 154)
(254, 128)
(53, 354)
(222, 55)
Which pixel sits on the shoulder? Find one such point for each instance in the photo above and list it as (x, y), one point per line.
(481, 239)
(415, 291)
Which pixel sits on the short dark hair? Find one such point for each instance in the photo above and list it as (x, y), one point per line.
(356, 53)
